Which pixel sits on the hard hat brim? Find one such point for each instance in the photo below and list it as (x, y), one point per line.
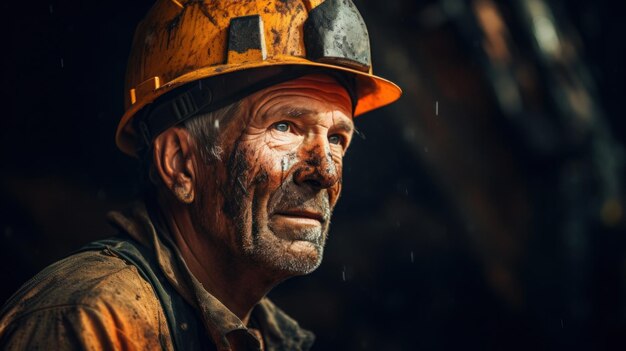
(372, 91)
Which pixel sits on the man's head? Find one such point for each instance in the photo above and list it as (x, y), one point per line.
(245, 110)
(269, 197)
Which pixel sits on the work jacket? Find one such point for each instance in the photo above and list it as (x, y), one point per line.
(135, 292)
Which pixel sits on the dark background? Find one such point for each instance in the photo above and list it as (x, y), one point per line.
(483, 211)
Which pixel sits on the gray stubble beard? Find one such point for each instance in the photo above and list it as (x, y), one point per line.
(255, 243)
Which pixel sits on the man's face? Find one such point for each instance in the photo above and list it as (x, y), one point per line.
(269, 201)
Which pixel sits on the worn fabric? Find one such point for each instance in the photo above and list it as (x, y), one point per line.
(186, 330)
(97, 300)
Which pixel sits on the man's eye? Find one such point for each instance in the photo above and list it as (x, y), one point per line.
(335, 139)
(281, 126)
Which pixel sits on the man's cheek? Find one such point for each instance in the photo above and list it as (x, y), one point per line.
(275, 165)
(333, 193)
(244, 165)
(262, 167)
(236, 189)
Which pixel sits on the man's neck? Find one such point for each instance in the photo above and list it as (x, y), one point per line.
(234, 283)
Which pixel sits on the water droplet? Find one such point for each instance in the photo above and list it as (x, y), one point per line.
(50, 8)
(412, 257)
(359, 133)
(216, 124)
(437, 108)
(62, 64)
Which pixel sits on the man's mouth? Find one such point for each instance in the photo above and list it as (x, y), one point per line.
(298, 224)
(304, 215)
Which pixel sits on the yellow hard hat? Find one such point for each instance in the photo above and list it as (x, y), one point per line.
(229, 49)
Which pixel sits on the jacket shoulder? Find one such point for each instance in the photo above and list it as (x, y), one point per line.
(87, 300)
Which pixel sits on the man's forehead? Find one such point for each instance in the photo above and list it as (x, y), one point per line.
(319, 87)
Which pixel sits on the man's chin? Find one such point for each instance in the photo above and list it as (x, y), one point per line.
(290, 258)
(288, 229)
(304, 248)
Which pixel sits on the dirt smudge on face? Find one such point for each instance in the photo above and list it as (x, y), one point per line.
(238, 169)
(261, 178)
(313, 156)
(286, 163)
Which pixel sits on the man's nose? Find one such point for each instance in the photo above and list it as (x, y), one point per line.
(317, 168)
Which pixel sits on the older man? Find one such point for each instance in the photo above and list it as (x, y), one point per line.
(241, 113)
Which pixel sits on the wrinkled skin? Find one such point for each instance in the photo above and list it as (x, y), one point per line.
(261, 213)
(270, 201)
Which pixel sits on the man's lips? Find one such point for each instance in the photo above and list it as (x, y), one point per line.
(301, 214)
(299, 224)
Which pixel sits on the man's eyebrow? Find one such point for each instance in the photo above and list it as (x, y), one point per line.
(346, 127)
(296, 112)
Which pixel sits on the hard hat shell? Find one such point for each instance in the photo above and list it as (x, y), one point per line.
(180, 42)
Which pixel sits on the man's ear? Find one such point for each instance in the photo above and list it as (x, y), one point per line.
(173, 162)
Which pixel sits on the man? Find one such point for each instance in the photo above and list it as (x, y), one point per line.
(241, 113)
